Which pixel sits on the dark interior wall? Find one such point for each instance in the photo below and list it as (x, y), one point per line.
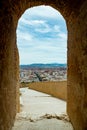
(77, 68)
(75, 14)
(7, 70)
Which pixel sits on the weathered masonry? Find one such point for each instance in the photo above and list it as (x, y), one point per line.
(75, 14)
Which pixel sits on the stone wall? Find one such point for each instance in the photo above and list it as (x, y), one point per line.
(56, 89)
(77, 69)
(16, 66)
(75, 14)
(8, 77)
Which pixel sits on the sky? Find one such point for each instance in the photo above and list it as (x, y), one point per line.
(42, 36)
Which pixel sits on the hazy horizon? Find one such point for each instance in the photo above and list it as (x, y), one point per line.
(43, 63)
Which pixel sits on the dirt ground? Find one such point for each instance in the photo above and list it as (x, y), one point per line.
(40, 111)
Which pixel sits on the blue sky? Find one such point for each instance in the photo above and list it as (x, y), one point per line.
(42, 36)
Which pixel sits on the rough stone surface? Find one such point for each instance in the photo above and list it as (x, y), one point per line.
(41, 111)
(75, 14)
(56, 89)
(77, 69)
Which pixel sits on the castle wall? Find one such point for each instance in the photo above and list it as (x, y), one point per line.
(75, 14)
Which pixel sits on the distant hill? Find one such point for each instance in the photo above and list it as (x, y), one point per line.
(40, 65)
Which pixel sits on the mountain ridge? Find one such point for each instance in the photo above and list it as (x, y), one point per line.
(42, 65)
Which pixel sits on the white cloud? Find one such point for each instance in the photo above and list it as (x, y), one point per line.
(34, 43)
(36, 22)
(43, 11)
(32, 22)
(56, 28)
(45, 29)
(24, 35)
(63, 36)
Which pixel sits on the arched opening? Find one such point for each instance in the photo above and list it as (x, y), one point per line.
(75, 15)
(42, 36)
(43, 32)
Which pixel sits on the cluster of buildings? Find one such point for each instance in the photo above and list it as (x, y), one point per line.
(45, 74)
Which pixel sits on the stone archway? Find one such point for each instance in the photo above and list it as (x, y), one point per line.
(74, 13)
